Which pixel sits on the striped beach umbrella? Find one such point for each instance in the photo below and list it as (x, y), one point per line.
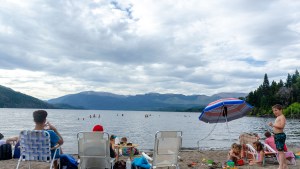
(225, 110)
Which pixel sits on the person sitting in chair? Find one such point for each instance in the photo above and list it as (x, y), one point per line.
(113, 154)
(127, 151)
(258, 146)
(11, 140)
(271, 142)
(39, 117)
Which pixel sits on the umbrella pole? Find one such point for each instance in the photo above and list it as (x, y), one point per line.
(228, 129)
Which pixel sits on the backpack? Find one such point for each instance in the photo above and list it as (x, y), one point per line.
(120, 165)
(67, 161)
(5, 152)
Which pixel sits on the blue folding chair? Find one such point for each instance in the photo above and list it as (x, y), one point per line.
(35, 146)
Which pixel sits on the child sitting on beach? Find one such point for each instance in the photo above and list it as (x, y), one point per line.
(127, 151)
(260, 154)
(235, 153)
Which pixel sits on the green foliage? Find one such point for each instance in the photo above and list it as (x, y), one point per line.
(267, 95)
(12, 99)
(293, 110)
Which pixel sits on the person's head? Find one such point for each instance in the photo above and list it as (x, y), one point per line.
(98, 128)
(237, 148)
(39, 116)
(1, 136)
(277, 109)
(124, 139)
(112, 138)
(268, 134)
(233, 145)
(258, 146)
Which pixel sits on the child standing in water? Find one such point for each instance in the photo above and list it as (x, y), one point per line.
(279, 135)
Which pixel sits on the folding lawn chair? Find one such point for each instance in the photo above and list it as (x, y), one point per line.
(247, 138)
(166, 149)
(251, 153)
(94, 151)
(35, 146)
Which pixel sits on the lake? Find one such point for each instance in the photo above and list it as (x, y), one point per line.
(141, 130)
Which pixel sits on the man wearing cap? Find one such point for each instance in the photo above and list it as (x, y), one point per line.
(99, 128)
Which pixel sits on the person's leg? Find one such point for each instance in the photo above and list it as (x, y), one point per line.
(282, 160)
(55, 166)
(280, 141)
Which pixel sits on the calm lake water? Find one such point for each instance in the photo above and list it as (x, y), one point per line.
(141, 130)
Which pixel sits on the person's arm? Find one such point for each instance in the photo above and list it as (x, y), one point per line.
(230, 155)
(261, 158)
(12, 140)
(280, 123)
(61, 140)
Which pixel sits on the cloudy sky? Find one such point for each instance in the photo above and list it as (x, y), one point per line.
(50, 48)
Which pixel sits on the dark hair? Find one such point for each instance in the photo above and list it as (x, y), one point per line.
(259, 146)
(39, 116)
(112, 137)
(124, 139)
(277, 106)
(267, 134)
(1, 136)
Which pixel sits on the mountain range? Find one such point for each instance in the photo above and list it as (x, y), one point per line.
(149, 101)
(109, 101)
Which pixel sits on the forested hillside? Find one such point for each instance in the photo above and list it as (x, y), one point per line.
(286, 93)
(12, 99)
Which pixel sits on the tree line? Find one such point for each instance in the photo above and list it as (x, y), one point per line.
(286, 93)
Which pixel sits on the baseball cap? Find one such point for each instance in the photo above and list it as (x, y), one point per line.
(98, 128)
(113, 136)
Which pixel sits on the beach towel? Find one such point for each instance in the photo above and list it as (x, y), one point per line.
(141, 162)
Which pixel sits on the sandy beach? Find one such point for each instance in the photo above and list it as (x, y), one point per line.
(186, 157)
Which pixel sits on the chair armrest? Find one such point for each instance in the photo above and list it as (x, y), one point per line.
(55, 147)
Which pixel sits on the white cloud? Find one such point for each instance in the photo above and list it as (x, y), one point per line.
(49, 49)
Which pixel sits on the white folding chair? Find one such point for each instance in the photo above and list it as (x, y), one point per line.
(166, 149)
(35, 146)
(94, 151)
(289, 155)
(252, 152)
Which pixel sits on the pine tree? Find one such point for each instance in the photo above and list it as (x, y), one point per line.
(289, 82)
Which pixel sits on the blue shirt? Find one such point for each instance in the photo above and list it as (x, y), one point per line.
(53, 141)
